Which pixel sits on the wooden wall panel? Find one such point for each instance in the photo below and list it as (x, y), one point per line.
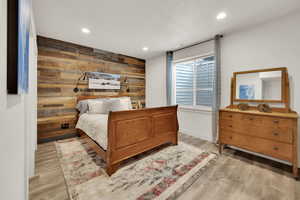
(60, 64)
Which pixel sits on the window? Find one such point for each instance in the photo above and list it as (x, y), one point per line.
(194, 82)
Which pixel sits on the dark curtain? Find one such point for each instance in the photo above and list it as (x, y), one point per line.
(169, 77)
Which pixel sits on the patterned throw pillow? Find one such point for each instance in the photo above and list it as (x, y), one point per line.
(82, 106)
(98, 107)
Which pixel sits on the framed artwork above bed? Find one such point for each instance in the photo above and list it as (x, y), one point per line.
(99, 80)
(18, 30)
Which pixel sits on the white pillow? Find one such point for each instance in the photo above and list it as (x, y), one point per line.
(98, 107)
(126, 100)
(118, 104)
(83, 106)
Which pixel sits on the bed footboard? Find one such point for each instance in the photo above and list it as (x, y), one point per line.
(136, 131)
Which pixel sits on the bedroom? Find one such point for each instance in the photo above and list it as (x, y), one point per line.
(172, 84)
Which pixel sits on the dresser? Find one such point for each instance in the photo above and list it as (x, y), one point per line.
(251, 123)
(271, 134)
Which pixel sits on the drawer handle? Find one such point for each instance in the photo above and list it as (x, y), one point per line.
(230, 137)
(275, 148)
(275, 121)
(251, 118)
(230, 126)
(230, 116)
(275, 134)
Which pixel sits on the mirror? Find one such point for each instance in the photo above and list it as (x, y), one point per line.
(259, 86)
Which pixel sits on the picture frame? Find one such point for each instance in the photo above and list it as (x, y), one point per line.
(18, 33)
(106, 81)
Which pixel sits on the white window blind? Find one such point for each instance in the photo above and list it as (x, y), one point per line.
(185, 83)
(194, 82)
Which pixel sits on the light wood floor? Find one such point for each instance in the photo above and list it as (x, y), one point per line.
(235, 176)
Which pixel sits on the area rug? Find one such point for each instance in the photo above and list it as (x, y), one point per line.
(162, 173)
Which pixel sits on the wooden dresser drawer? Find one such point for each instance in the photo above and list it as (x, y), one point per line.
(258, 120)
(229, 115)
(266, 121)
(275, 133)
(278, 122)
(271, 148)
(251, 119)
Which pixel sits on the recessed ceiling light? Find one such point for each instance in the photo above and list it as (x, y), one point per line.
(221, 15)
(86, 30)
(145, 48)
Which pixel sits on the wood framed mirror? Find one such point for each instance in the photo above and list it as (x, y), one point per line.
(261, 86)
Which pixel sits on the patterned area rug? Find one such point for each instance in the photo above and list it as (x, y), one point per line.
(162, 173)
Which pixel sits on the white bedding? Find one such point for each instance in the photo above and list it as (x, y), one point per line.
(95, 126)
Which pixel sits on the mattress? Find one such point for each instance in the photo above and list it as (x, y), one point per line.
(95, 126)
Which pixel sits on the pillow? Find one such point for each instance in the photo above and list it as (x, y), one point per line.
(118, 104)
(126, 100)
(83, 107)
(98, 107)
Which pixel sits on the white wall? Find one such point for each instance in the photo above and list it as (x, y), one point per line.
(156, 82)
(16, 149)
(196, 123)
(274, 44)
(31, 101)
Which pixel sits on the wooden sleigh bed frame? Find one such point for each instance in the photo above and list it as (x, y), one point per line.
(135, 131)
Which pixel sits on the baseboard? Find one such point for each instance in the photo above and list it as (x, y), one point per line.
(200, 137)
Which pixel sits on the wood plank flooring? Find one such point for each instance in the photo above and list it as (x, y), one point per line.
(51, 183)
(235, 176)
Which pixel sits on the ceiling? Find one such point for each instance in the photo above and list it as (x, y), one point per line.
(126, 26)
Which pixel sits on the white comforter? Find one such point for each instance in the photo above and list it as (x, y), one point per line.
(95, 126)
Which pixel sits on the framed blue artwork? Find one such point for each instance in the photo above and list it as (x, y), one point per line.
(247, 92)
(18, 29)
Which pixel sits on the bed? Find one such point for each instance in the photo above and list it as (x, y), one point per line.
(120, 135)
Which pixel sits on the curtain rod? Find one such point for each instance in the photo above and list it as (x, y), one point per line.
(216, 37)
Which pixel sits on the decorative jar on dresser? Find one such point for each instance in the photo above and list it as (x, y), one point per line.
(274, 133)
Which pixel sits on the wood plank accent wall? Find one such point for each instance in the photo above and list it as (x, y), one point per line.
(60, 64)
